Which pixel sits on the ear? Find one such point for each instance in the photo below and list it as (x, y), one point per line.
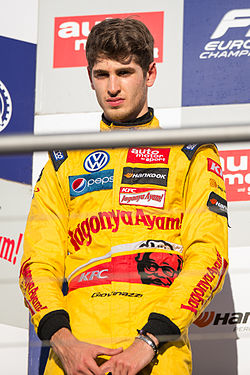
(151, 74)
(90, 78)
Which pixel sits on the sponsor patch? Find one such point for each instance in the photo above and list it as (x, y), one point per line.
(142, 197)
(28, 285)
(214, 167)
(190, 150)
(198, 296)
(88, 183)
(86, 229)
(160, 244)
(148, 155)
(151, 268)
(117, 293)
(214, 184)
(153, 176)
(58, 157)
(95, 161)
(217, 204)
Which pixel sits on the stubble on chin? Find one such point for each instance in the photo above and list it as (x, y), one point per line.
(117, 116)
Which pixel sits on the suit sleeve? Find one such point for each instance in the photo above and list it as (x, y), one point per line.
(205, 242)
(43, 262)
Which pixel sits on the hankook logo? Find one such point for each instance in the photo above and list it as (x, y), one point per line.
(151, 176)
(228, 318)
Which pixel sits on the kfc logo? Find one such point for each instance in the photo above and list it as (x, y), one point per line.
(88, 276)
(152, 268)
(142, 197)
(236, 170)
(214, 168)
(71, 33)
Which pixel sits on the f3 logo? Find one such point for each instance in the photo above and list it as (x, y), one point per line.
(95, 161)
(233, 18)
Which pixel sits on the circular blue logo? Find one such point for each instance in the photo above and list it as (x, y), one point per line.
(5, 106)
(79, 185)
(95, 161)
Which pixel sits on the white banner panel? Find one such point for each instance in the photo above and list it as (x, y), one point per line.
(63, 30)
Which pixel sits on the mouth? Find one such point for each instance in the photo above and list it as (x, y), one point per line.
(115, 102)
(160, 282)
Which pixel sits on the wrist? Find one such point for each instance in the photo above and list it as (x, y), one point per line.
(149, 339)
(156, 341)
(61, 338)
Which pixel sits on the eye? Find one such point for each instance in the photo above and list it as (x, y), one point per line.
(151, 267)
(123, 73)
(100, 75)
(168, 271)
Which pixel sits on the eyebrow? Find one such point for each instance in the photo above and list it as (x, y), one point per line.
(118, 70)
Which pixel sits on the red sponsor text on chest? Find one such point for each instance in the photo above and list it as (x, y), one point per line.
(148, 155)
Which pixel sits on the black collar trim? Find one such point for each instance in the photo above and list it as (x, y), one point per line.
(143, 120)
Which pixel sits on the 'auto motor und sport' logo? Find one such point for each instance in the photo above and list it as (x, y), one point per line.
(70, 36)
(223, 41)
(5, 106)
(236, 171)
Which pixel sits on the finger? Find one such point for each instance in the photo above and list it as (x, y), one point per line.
(108, 351)
(94, 369)
(106, 368)
(119, 369)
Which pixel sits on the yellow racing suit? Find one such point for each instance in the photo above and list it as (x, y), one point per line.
(140, 234)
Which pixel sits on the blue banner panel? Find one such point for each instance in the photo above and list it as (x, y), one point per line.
(17, 98)
(216, 52)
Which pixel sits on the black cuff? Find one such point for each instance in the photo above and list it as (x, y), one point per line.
(162, 328)
(51, 323)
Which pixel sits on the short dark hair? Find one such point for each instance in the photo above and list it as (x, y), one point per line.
(120, 39)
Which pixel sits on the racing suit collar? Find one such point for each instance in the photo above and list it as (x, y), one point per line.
(147, 120)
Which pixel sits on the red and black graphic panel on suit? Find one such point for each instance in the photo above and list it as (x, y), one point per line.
(152, 268)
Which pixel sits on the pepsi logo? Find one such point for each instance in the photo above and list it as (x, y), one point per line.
(79, 185)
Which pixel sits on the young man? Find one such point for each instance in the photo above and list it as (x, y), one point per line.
(140, 234)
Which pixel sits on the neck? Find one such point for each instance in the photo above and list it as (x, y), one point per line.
(142, 120)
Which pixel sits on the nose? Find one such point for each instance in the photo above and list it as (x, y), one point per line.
(114, 86)
(160, 273)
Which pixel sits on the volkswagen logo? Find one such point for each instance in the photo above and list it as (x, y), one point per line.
(96, 161)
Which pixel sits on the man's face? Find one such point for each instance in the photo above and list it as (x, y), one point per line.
(159, 269)
(121, 88)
